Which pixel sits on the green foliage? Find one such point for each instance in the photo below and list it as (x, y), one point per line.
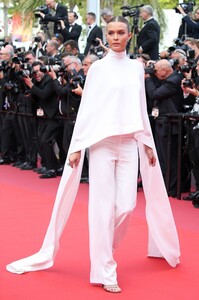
(168, 4)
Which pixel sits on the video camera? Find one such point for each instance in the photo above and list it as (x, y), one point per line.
(186, 6)
(43, 9)
(131, 11)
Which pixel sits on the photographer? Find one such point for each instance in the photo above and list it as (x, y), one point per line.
(94, 31)
(27, 114)
(39, 45)
(72, 48)
(167, 97)
(60, 13)
(12, 149)
(52, 49)
(72, 30)
(191, 94)
(87, 62)
(49, 128)
(70, 101)
(189, 27)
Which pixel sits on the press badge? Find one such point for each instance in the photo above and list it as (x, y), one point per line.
(40, 112)
(155, 112)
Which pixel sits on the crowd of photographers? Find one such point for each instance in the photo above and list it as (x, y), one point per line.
(39, 99)
(40, 93)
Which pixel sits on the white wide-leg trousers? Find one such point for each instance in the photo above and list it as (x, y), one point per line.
(113, 170)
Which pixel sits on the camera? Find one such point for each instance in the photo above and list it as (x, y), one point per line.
(95, 43)
(3, 65)
(21, 74)
(150, 69)
(75, 79)
(188, 83)
(131, 11)
(43, 9)
(48, 68)
(185, 68)
(54, 63)
(186, 6)
(37, 39)
(18, 60)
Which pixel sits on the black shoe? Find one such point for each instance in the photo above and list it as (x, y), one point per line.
(41, 170)
(192, 196)
(84, 180)
(28, 166)
(4, 161)
(60, 171)
(49, 174)
(195, 203)
(19, 163)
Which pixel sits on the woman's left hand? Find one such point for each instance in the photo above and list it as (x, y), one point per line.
(151, 156)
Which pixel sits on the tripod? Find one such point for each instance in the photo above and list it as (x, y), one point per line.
(134, 31)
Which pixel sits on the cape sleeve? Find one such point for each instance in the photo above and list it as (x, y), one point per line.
(163, 237)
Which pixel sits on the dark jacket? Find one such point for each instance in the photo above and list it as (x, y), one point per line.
(69, 101)
(43, 94)
(189, 28)
(168, 97)
(74, 34)
(96, 32)
(61, 12)
(149, 38)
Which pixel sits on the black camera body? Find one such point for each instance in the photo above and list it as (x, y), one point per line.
(131, 11)
(3, 65)
(75, 79)
(188, 83)
(43, 9)
(150, 69)
(185, 68)
(37, 39)
(186, 6)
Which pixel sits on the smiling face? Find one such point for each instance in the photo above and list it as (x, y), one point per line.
(117, 36)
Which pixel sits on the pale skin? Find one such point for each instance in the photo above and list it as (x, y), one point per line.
(117, 37)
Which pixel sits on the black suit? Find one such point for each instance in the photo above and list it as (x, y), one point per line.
(73, 34)
(96, 32)
(149, 38)
(48, 128)
(167, 95)
(61, 12)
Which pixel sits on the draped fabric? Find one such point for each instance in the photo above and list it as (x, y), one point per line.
(113, 103)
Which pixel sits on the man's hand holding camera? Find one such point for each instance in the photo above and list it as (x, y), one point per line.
(28, 81)
(189, 87)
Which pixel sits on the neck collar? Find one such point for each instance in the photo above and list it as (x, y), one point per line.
(117, 55)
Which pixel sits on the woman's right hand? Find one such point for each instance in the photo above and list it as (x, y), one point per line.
(74, 159)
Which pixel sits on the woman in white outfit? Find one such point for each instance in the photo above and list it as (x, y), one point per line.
(112, 121)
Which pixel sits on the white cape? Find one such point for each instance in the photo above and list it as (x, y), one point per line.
(106, 110)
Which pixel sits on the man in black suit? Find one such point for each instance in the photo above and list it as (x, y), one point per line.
(72, 30)
(149, 36)
(49, 127)
(60, 13)
(93, 32)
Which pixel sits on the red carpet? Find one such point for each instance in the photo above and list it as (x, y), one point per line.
(25, 208)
